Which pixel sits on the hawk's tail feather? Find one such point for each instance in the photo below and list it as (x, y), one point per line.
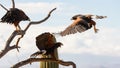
(57, 34)
(100, 17)
(34, 55)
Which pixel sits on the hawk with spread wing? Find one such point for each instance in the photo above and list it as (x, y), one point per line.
(80, 24)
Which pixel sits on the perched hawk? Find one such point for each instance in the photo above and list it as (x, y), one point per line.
(80, 24)
(14, 16)
(46, 44)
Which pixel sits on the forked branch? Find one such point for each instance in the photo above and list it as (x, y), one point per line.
(38, 22)
(22, 33)
(30, 60)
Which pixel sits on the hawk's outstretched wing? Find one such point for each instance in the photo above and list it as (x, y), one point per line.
(76, 26)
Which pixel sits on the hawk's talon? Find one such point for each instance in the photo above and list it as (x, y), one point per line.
(96, 30)
(20, 32)
(17, 47)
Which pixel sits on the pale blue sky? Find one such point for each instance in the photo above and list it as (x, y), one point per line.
(109, 8)
(87, 50)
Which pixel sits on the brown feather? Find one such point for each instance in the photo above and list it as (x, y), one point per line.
(46, 42)
(81, 23)
(14, 16)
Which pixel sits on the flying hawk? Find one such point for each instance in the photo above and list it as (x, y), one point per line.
(46, 45)
(80, 24)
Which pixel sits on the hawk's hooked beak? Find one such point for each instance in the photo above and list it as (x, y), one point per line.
(72, 18)
(29, 19)
(61, 44)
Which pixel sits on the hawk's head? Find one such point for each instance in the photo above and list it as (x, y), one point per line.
(75, 17)
(89, 16)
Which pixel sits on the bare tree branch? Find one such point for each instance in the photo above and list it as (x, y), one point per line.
(13, 4)
(30, 60)
(4, 7)
(8, 47)
(38, 22)
(22, 33)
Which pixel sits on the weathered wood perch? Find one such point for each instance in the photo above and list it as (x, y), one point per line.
(22, 33)
(30, 60)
